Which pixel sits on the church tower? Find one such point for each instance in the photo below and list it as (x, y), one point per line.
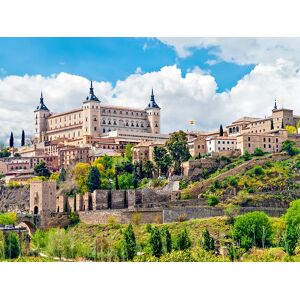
(91, 114)
(153, 115)
(41, 114)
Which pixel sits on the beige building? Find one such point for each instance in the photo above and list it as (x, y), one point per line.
(145, 151)
(95, 119)
(11, 165)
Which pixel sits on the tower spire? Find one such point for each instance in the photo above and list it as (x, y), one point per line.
(92, 95)
(42, 105)
(275, 105)
(152, 103)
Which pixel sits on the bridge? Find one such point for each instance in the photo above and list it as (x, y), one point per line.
(28, 221)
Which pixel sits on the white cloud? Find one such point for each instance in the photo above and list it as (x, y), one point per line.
(240, 50)
(181, 98)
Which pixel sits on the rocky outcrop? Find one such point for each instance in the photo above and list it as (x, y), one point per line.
(14, 199)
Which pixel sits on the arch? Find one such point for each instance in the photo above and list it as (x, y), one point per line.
(30, 227)
(36, 210)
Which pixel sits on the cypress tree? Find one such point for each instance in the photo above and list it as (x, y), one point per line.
(93, 181)
(129, 243)
(12, 245)
(62, 174)
(23, 138)
(117, 187)
(207, 242)
(167, 240)
(155, 242)
(11, 140)
(221, 130)
(183, 241)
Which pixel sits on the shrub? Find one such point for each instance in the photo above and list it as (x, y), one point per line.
(246, 156)
(73, 218)
(252, 229)
(155, 242)
(212, 200)
(232, 181)
(136, 218)
(148, 228)
(183, 184)
(258, 152)
(182, 217)
(289, 147)
(207, 242)
(258, 170)
(217, 184)
(182, 240)
(167, 239)
(8, 218)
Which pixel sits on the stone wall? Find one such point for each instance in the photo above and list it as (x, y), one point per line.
(14, 199)
(123, 216)
(187, 213)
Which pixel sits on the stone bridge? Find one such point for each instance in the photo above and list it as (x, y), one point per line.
(29, 221)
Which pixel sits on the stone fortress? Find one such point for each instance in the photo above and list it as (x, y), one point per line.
(95, 119)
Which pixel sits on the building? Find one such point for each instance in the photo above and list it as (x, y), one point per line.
(220, 143)
(95, 119)
(145, 151)
(11, 165)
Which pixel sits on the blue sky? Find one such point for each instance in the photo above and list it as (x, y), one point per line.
(108, 59)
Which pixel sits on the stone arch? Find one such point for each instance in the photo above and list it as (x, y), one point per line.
(30, 227)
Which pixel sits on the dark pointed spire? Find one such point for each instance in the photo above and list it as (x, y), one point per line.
(275, 105)
(92, 95)
(42, 105)
(152, 103)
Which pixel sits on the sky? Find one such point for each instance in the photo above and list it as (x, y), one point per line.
(210, 80)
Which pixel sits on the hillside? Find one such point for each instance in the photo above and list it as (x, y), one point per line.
(271, 181)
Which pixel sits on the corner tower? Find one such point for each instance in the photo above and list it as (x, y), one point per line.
(91, 114)
(153, 115)
(41, 114)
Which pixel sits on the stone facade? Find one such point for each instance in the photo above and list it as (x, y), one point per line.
(94, 119)
(42, 197)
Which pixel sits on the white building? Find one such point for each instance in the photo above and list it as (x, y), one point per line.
(220, 143)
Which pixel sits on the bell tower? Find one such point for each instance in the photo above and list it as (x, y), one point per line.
(153, 115)
(41, 114)
(91, 114)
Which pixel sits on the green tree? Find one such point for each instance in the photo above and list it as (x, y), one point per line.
(128, 151)
(178, 149)
(167, 239)
(39, 240)
(148, 168)
(207, 242)
(292, 231)
(4, 153)
(258, 152)
(252, 229)
(246, 156)
(290, 147)
(93, 180)
(23, 138)
(155, 242)
(182, 240)
(162, 159)
(62, 174)
(11, 140)
(221, 133)
(117, 182)
(129, 243)
(56, 242)
(41, 169)
(12, 245)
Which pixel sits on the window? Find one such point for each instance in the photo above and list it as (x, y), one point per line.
(264, 145)
(249, 139)
(249, 145)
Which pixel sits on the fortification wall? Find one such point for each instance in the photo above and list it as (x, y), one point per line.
(187, 213)
(14, 199)
(123, 216)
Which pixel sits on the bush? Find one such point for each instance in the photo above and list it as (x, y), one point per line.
(212, 200)
(232, 181)
(258, 170)
(9, 218)
(252, 229)
(167, 239)
(136, 218)
(258, 152)
(246, 156)
(182, 241)
(183, 184)
(73, 218)
(290, 148)
(182, 217)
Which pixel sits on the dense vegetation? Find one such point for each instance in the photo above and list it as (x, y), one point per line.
(249, 237)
